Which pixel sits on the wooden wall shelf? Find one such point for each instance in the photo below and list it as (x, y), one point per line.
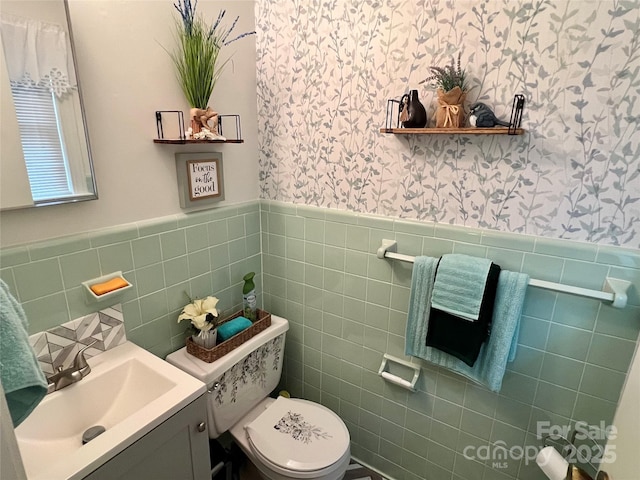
(190, 141)
(451, 131)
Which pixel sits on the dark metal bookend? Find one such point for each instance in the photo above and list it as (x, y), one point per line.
(516, 114)
(388, 124)
(180, 123)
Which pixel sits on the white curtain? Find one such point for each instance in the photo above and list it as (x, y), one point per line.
(36, 53)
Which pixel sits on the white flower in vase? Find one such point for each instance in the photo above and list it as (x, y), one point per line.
(204, 317)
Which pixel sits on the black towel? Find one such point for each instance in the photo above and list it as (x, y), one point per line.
(460, 337)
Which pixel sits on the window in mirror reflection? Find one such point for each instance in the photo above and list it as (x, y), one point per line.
(38, 56)
(42, 145)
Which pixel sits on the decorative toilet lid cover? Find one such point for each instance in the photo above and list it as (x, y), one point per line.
(299, 435)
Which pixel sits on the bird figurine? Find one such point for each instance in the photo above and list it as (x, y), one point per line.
(482, 116)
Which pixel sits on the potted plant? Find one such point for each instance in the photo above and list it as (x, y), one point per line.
(451, 85)
(197, 61)
(205, 318)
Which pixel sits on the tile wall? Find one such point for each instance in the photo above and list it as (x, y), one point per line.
(201, 253)
(347, 308)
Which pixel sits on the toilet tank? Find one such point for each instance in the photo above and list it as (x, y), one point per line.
(239, 380)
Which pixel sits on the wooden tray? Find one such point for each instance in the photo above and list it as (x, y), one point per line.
(210, 355)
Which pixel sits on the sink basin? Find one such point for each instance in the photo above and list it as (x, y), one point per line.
(128, 392)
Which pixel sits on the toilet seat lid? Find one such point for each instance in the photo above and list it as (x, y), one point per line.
(299, 435)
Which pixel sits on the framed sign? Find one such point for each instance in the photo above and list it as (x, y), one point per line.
(204, 179)
(200, 180)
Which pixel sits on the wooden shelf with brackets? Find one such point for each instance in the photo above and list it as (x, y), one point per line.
(182, 137)
(178, 141)
(453, 131)
(392, 123)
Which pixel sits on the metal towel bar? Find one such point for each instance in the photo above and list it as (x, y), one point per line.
(615, 290)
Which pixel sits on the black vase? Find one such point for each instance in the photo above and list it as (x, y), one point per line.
(417, 115)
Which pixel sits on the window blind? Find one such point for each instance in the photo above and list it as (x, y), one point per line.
(41, 142)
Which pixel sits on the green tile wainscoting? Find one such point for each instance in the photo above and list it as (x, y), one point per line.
(346, 308)
(200, 253)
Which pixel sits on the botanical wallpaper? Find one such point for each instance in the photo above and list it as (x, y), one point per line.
(327, 68)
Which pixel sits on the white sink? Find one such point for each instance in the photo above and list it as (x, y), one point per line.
(129, 392)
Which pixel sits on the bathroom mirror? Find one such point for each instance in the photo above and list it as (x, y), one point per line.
(45, 158)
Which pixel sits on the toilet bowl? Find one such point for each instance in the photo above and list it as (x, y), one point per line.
(284, 438)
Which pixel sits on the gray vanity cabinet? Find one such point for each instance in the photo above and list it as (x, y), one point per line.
(175, 449)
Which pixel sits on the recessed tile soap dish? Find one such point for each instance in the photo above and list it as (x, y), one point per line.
(93, 298)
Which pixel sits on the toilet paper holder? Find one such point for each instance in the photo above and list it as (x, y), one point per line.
(401, 382)
(574, 472)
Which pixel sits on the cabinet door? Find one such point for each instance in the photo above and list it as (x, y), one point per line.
(175, 449)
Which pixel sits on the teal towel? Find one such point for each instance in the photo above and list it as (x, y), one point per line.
(233, 327)
(497, 351)
(424, 269)
(460, 284)
(23, 382)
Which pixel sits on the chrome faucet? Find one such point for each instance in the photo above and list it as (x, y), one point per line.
(73, 374)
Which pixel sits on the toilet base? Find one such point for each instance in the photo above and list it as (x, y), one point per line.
(250, 472)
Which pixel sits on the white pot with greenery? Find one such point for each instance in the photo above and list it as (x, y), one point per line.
(197, 63)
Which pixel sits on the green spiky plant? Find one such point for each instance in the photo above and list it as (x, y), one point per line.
(448, 77)
(197, 54)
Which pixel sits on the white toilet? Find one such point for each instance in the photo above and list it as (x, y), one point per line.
(284, 438)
